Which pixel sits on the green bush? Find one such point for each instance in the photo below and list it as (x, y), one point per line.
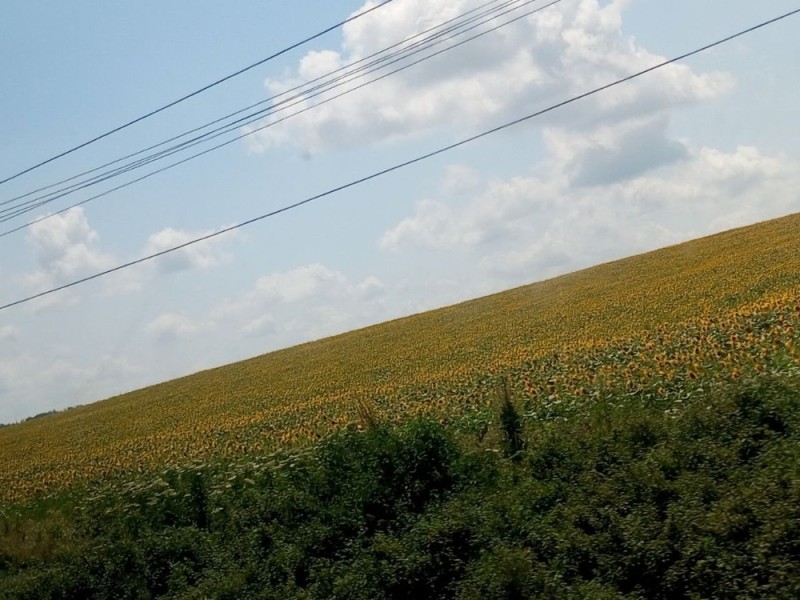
(622, 500)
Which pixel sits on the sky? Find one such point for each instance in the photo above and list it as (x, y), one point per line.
(691, 149)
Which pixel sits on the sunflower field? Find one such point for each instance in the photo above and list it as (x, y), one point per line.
(673, 321)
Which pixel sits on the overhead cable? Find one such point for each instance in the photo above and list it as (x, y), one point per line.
(12, 212)
(265, 101)
(195, 93)
(407, 163)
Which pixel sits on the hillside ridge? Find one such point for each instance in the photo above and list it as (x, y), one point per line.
(435, 362)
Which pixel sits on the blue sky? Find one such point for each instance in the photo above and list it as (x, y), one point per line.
(687, 151)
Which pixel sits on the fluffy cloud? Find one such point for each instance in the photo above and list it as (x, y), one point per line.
(315, 281)
(298, 284)
(260, 326)
(614, 153)
(65, 247)
(9, 333)
(174, 326)
(302, 303)
(547, 57)
(530, 228)
(16, 375)
(502, 210)
(29, 384)
(201, 255)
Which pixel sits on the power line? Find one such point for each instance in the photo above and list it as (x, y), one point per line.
(392, 58)
(196, 92)
(238, 124)
(407, 163)
(276, 96)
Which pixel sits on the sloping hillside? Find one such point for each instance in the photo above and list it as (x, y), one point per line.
(437, 362)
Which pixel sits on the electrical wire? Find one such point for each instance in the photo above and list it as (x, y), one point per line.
(407, 163)
(240, 123)
(19, 209)
(195, 93)
(251, 106)
(299, 98)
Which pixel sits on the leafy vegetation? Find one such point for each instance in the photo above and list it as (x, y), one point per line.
(628, 498)
(630, 431)
(662, 321)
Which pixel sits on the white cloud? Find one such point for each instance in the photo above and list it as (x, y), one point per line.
(105, 374)
(65, 247)
(9, 333)
(302, 303)
(201, 255)
(261, 326)
(125, 281)
(545, 58)
(530, 228)
(290, 287)
(459, 180)
(369, 289)
(491, 217)
(28, 385)
(16, 374)
(430, 225)
(613, 153)
(174, 326)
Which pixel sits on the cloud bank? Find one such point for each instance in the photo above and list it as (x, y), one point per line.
(545, 58)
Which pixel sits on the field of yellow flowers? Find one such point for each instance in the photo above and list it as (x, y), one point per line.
(706, 311)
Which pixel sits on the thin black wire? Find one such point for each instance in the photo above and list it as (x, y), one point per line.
(270, 124)
(251, 106)
(196, 92)
(29, 205)
(36, 202)
(256, 130)
(40, 201)
(407, 163)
